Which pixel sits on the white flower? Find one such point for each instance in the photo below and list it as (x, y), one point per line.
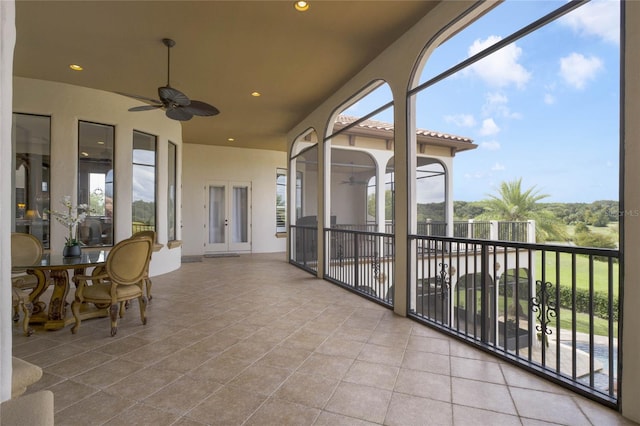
(71, 218)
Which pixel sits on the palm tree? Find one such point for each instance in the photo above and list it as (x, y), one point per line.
(515, 205)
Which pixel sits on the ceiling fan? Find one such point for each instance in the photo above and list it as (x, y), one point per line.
(177, 105)
(352, 179)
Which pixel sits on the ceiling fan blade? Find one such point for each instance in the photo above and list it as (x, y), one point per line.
(145, 108)
(201, 108)
(173, 96)
(142, 98)
(179, 114)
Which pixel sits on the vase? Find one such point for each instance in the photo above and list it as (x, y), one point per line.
(71, 251)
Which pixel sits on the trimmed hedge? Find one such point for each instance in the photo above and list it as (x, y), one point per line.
(600, 300)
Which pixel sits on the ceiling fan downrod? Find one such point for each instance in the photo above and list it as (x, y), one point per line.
(169, 43)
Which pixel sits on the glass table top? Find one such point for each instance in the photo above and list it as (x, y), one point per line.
(51, 260)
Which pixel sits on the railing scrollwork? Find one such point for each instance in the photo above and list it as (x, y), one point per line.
(544, 305)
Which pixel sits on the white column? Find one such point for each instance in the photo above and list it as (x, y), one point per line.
(631, 224)
(7, 43)
(531, 231)
(381, 193)
(405, 209)
(493, 230)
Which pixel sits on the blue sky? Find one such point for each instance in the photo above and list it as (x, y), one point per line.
(544, 109)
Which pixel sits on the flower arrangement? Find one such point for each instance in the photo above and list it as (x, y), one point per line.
(70, 218)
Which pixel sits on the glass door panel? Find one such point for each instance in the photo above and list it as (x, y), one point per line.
(217, 213)
(228, 217)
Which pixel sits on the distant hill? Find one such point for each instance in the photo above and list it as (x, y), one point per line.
(598, 213)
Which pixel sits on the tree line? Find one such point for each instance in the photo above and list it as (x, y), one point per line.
(597, 213)
(514, 203)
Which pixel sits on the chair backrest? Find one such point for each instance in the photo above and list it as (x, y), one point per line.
(149, 233)
(128, 260)
(146, 234)
(25, 250)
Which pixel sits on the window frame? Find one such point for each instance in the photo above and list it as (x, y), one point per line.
(85, 198)
(172, 191)
(154, 140)
(42, 203)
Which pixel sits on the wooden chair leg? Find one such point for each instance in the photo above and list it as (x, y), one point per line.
(27, 308)
(75, 308)
(113, 313)
(148, 284)
(142, 301)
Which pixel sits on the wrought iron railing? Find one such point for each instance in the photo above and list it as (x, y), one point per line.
(552, 309)
(485, 230)
(361, 262)
(303, 242)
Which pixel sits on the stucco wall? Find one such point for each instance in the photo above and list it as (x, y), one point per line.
(7, 42)
(68, 104)
(214, 163)
(631, 219)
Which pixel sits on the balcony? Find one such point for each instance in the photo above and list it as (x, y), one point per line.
(550, 309)
(255, 340)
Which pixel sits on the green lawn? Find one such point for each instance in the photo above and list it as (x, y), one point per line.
(600, 272)
(600, 325)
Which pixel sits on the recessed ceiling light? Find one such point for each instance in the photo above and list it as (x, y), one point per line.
(301, 6)
(84, 154)
(231, 139)
(76, 67)
(100, 142)
(256, 94)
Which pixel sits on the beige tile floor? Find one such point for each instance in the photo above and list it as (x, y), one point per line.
(253, 340)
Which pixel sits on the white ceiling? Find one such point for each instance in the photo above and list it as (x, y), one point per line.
(224, 51)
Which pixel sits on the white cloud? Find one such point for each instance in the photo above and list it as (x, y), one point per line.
(461, 120)
(549, 99)
(501, 68)
(490, 145)
(496, 103)
(474, 176)
(577, 70)
(599, 18)
(498, 167)
(489, 127)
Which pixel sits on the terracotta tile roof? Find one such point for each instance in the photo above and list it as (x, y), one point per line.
(345, 120)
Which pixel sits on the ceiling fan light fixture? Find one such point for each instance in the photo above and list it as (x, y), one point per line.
(301, 6)
(177, 105)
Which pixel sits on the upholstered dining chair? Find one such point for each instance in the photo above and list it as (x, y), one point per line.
(147, 281)
(20, 301)
(121, 280)
(25, 250)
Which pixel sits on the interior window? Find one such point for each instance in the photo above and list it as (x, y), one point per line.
(171, 191)
(32, 146)
(281, 200)
(95, 182)
(144, 182)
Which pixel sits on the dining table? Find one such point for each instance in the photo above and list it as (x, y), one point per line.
(53, 269)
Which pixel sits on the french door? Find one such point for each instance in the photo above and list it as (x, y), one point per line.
(228, 212)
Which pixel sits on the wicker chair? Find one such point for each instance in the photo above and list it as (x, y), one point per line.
(122, 280)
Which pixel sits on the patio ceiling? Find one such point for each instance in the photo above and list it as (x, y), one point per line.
(225, 50)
